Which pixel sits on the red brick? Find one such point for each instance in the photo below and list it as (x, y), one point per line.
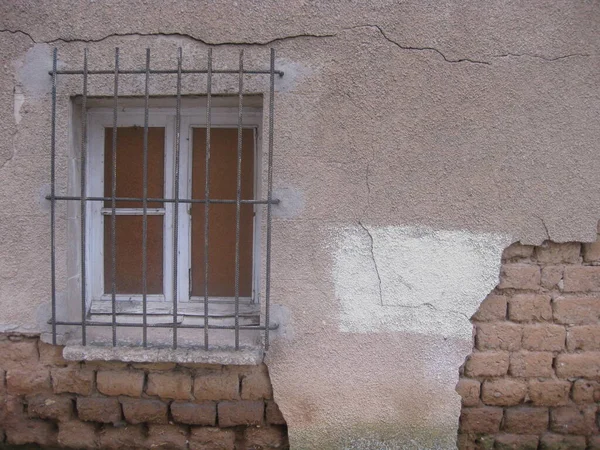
(206, 438)
(526, 420)
(72, 379)
(581, 279)
(120, 382)
(167, 436)
(480, 420)
(145, 410)
(517, 251)
(503, 392)
(18, 354)
(217, 386)
(574, 420)
(519, 276)
(498, 336)
(529, 308)
(531, 364)
(491, 309)
(119, 438)
(544, 337)
(549, 393)
(516, 442)
(553, 252)
(577, 310)
(256, 385)
(586, 391)
(275, 417)
(585, 365)
(99, 409)
(591, 252)
(31, 431)
(265, 438)
(204, 413)
(23, 382)
(550, 441)
(586, 338)
(468, 390)
(593, 443)
(75, 434)
(51, 355)
(243, 412)
(551, 276)
(487, 364)
(170, 385)
(50, 407)
(470, 441)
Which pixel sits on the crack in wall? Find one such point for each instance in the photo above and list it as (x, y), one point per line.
(374, 260)
(379, 29)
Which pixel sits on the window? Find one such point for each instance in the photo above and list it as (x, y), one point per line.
(168, 243)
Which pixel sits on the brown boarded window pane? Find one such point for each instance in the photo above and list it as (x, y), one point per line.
(130, 154)
(223, 185)
(129, 255)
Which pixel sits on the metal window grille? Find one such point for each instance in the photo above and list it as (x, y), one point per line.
(83, 199)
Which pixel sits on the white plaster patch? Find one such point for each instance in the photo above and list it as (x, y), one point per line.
(414, 279)
(19, 99)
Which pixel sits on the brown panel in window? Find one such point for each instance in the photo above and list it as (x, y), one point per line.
(223, 185)
(129, 255)
(130, 154)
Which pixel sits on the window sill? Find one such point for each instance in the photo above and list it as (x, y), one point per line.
(245, 356)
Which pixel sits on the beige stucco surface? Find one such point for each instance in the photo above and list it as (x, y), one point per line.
(396, 123)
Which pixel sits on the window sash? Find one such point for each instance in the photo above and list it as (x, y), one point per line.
(101, 118)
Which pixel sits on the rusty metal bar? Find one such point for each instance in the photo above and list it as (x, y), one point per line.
(207, 191)
(269, 198)
(113, 205)
(238, 198)
(83, 193)
(145, 204)
(176, 205)
(53, 197)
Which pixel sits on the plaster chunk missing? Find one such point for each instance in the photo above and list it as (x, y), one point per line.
(414, 279)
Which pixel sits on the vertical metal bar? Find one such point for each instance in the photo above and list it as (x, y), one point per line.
(52, 195)
(238, 198)
(113, 222)
(269, 197)
(176, 203)
(83, 188)
(207, 192)
(145, 208)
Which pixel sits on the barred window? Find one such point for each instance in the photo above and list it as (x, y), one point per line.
(174, 209)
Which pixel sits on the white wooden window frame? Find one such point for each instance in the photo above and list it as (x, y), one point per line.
(100, 119)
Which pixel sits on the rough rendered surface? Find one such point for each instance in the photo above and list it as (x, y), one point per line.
(414, 141)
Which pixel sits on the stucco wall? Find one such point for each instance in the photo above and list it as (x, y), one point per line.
(410, 137)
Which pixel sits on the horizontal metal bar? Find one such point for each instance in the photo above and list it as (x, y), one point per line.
(162, 200)
(162, 72)
(184, 314)
(169, 325)
(134, 211)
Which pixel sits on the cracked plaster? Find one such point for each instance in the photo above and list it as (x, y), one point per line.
(472, 118)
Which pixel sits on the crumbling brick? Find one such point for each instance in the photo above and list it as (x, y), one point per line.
(549, 393)
(493, 308)
(243, 412)
(167, 436)
(552, 276)
(31, 431)
(204, 413)
(18, 354)
(577, 310)
(526, 420)
(206, 438)
(25, 382)
(586, 391)
(487, 364)
(551, 441)
(467, 388)
(265, 438)
(275, 417)
(123, 437)
(574, 420)
(170, 385)
(51, 355)
(75, 434)
(517, 251)
(73, 380)
(256, 385)
(582, 279)
(485, 419)
(554, 253)
(145, 410)
(498, 336)
(585, 365)
(52, 407)
(217, 386)
(516, 442)
(585, 338)
(120, 382)
(519, 276)
(503, 392)
(529, 308)
(544, 337)
(531, 364)
(99, 409)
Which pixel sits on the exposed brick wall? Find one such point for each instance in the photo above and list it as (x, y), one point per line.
(52, 402)
(533, 379)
